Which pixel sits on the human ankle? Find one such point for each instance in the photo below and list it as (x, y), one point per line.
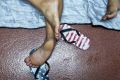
(49, 44)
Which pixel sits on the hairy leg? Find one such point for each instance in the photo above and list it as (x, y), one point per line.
(52, 20)
(112, 9)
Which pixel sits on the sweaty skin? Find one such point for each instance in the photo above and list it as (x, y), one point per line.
(112, 9)
(52, 10)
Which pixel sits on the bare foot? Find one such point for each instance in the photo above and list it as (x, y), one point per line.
(112, 8)
(40, 56)
(57, 32)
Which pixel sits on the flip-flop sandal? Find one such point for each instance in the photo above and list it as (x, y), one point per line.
(73, 36)
(40, 73)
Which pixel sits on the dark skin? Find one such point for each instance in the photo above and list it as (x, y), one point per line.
(52, 10)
